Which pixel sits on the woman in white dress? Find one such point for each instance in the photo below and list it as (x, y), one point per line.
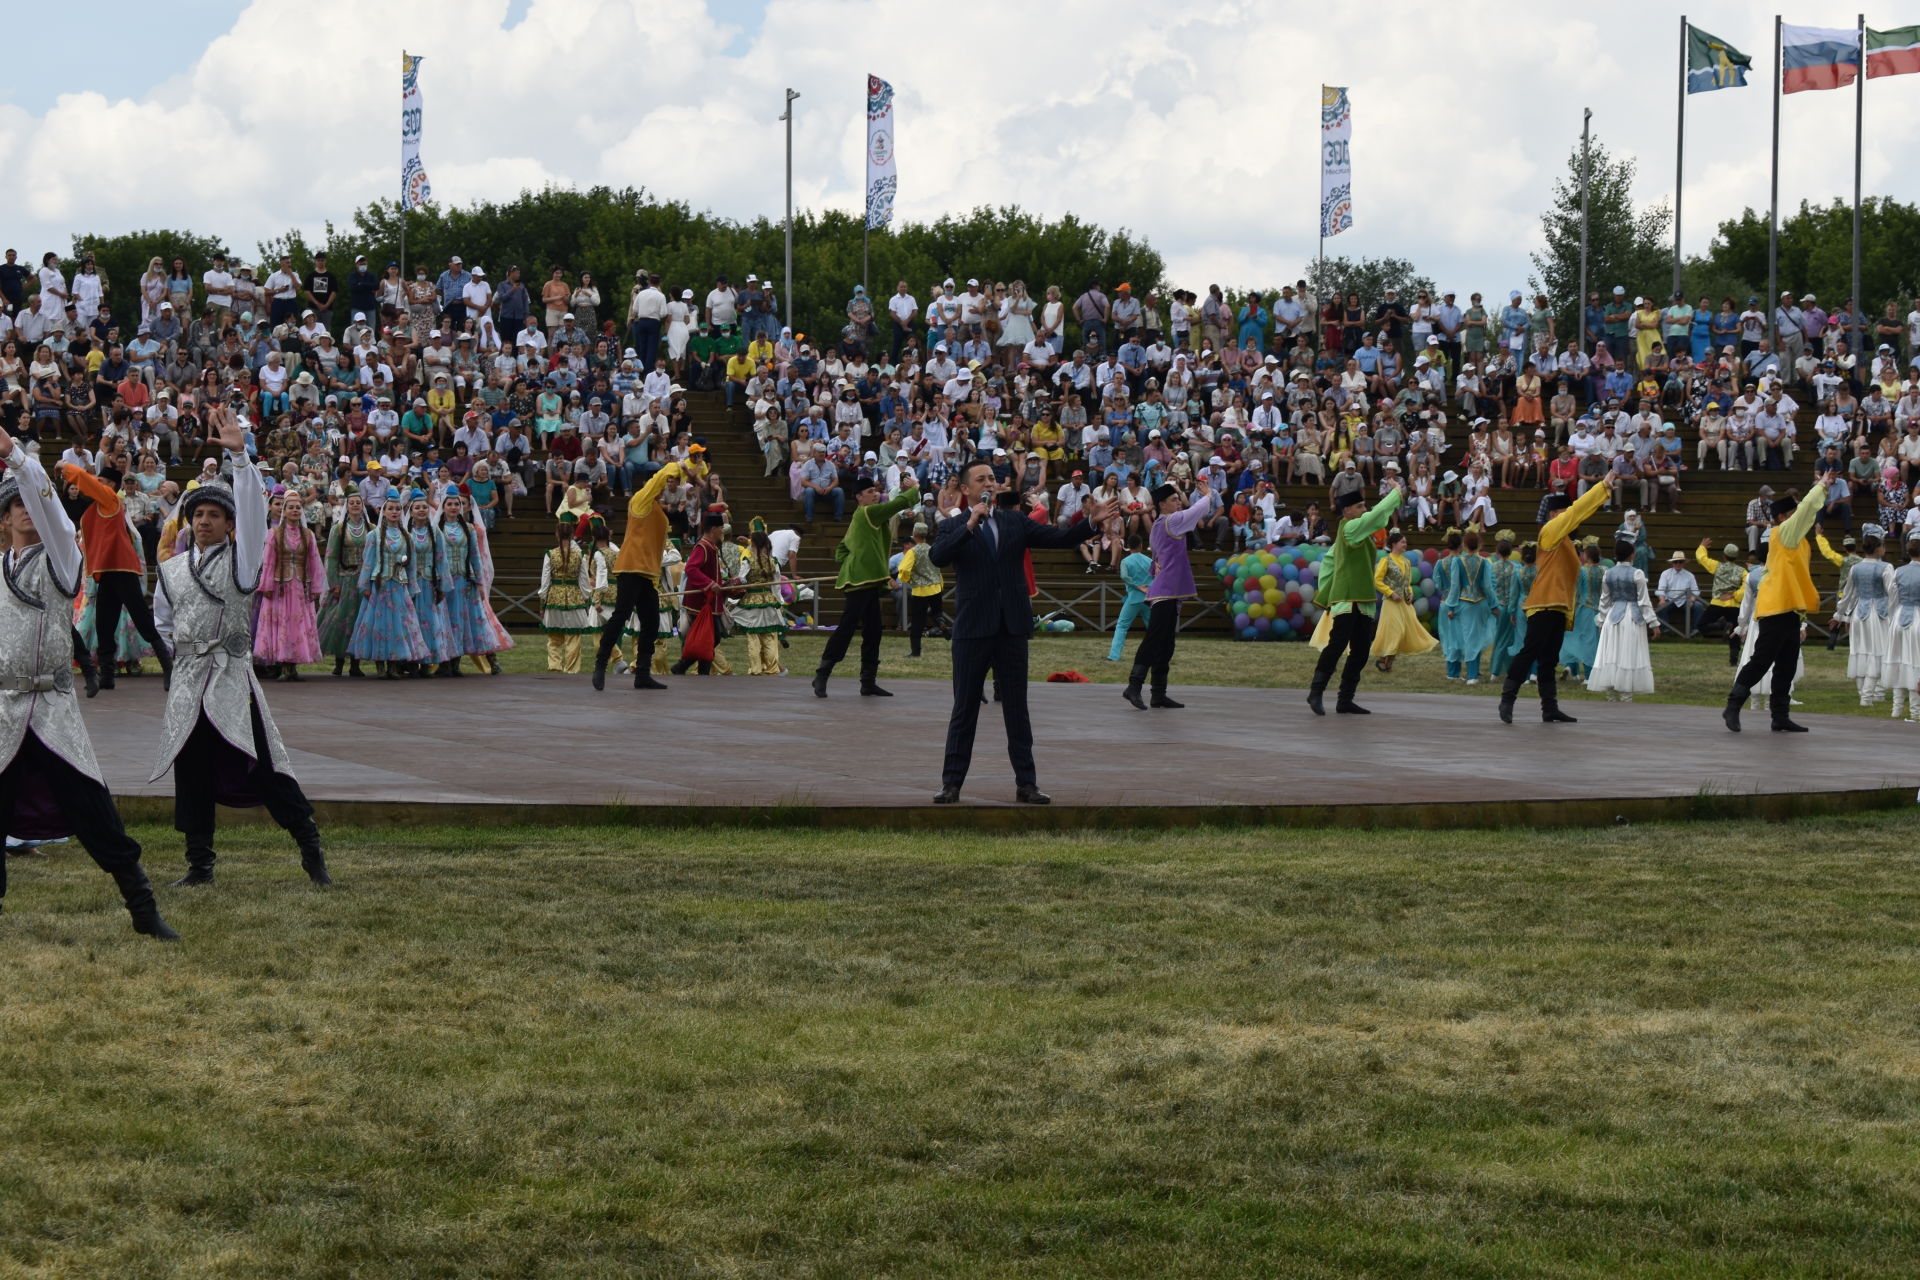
(679, 328)
(1901, 669)
(153, 291)
(1869, 619)
(89, 290)
(1623, 665)
(1053, 320)
(1477, 497)
(586, 303)
(53, 293)
(1016, 325)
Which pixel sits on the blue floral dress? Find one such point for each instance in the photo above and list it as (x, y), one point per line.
(388, 629)
(429, 552)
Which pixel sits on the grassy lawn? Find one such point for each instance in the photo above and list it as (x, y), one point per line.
(1693, 672)
(1643, 1050)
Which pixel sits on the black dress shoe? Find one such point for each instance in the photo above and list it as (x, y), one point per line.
(194, 878)
(948, 795)
(1556, 716)
(1030, 794)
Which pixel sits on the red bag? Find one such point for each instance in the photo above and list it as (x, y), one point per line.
(698, 644)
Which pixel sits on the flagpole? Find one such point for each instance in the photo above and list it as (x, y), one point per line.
(1859, 114)
(1679, 157)
(1773, 216)
(1586, 177)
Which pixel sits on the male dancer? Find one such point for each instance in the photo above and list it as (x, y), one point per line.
(1346, 591)
(637, 571)
(219, 738)
(114, 561)
(862, 555)
(1783, 599)
(51, 784)
(993, 620)
(1550, 602)
(1172, 582)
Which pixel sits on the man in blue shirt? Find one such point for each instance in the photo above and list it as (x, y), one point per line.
(1367, 356)
(1618, 383)
(451, 287)
(1596, 317)
(1133, 358)
(1513, 329)
(1447, 319)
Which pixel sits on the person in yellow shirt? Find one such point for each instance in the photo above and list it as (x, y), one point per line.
(1729, 586)
(637, 571)
(925, 581)
(739, 369)
(1549, 605)
(440, 407)
(1781, 603)
(760, 350)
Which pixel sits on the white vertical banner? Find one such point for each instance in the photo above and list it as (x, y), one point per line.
(882, 179)
(1336, 161)
(414, 188)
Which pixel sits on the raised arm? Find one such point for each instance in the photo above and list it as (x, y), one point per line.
(50, 519)
(1204, 504)
(1555, 531)
(104, 495)
(1795, 530)
(1358, 531)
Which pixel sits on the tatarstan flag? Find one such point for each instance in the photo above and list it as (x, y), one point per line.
(1893, 53)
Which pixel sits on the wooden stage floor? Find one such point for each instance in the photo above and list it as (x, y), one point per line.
(547, 748)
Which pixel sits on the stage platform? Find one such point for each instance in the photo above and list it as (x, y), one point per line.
(732, 750)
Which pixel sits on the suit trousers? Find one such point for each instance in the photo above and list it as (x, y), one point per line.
(88, 807)
(197, 771)
(1352, 633)
(1005, 655)
(1539, 655)
(112, 593)
(861, 613)
(1777, 646)
(631, 591)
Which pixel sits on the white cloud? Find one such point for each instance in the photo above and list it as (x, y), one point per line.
(1195, 126)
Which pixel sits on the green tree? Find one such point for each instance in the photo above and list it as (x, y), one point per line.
(1368, 277)
(1816, 252)
(123, 259)
(1626, 247)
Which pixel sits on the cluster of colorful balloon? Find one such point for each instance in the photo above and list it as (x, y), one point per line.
(1270, 593)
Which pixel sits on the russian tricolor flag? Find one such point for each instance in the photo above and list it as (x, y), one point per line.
(1818, 57)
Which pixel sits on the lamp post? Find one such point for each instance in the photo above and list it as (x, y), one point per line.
(787, 297)
(1586, 178)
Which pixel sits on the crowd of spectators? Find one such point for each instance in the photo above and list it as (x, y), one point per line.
(367, 380)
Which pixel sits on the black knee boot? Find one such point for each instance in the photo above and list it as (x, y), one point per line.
(1160, 698)
(1135, 679)
(820, 680)
(339, 666)
(869, 682)
(137, 892)
(313, 857)
(1735, 700)
(199, 862)
(89, 672)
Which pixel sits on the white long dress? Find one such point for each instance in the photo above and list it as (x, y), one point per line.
(1901, 666)
(1869, 619)
(1016, 322)
(87, 294)
(1623, 662)
(678, 330)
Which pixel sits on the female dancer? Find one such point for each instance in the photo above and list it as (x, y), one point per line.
(1471, 608)
(563, 598)
(346, 548)
(1446, 575)
(428, 552)
(760, 615)
(1400, 630)
(387, 630)
(1622, 664)
(292, 581)
(1870, 590)
(1901, 670)
(1583, 637)
(475, 631)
